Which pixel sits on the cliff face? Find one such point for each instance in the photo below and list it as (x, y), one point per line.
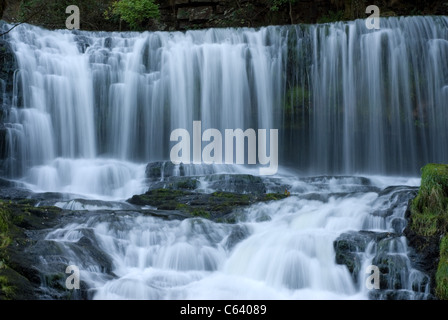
(195, 14)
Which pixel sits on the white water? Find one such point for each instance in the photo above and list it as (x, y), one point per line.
(288, 252)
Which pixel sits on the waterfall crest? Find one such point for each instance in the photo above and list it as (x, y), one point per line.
(345, 99)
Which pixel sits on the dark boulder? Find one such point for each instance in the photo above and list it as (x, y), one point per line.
(156, 171)
(238, 234)
(351, 246)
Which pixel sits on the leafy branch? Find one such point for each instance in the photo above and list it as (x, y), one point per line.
(27, 19)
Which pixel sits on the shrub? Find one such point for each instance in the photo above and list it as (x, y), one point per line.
(134, 12)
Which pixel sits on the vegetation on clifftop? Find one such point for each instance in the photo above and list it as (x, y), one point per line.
(134, 12)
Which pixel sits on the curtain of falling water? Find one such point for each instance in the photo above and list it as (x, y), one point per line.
(346, 99)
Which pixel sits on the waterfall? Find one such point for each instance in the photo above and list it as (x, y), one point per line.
(275, 250)
(88, 110)
(345, 99)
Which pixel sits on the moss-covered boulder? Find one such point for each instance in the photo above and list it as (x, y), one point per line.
(442, 270)
(206, 205)
(18, 278)
(428, 225)
(430, 207)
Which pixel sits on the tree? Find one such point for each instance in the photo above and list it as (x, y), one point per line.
(134, 12)
(275, 4)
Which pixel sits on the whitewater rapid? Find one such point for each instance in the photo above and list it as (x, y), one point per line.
(276, 250)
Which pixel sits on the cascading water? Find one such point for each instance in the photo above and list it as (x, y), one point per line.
(346, 99)
(275, 250)
(90, 109)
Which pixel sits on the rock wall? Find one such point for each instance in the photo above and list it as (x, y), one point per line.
(198, 14)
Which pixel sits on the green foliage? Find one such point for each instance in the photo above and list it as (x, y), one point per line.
(276, 4)
(200, 213)
(430, 207)
(332, 16)
(134, 12)
(274, 196)
(6, 289)
(5, 220)
(429, 217)
(51, 13)
(442, 271)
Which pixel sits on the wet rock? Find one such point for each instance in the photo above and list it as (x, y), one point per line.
(398, 295)
(344, 183)
(211, 206)
(82, 42)
(238, 183)
(238, 234)
(163, 169)
(195, 14)
(351, 246)
(21, 223)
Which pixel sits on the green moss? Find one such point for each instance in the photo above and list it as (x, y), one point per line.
(209, 206)
(227, 195)
(429, 218)
(430, 206)
(6, 289)
(181, 207)
(15, 216)
(442, 271)
(164, 199)
(200, 213)
(297, 97)
(189, 184)
(5, 221)
(274, 196)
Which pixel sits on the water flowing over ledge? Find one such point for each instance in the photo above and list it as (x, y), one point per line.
(345, 99)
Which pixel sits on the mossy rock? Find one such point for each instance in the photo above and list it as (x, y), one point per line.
(429, 210)
(274, 196)
(442, 271)
(428, 223)
(210, 206)
(18, 279)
